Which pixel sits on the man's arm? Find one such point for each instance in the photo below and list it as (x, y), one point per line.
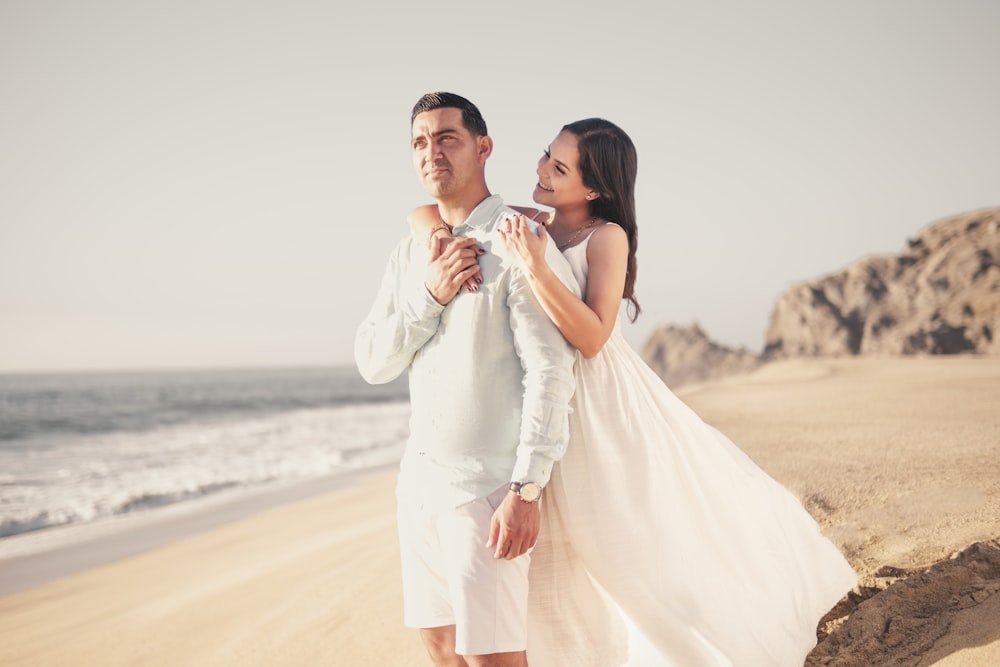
(407, 310)
(403, 317)
(548, 386)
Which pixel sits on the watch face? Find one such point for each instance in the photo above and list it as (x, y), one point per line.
(530, 492)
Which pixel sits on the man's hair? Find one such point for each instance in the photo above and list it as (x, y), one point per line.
(471, 118)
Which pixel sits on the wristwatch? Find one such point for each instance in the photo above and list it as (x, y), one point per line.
(529, 492)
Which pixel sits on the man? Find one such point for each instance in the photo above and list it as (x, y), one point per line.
(490, 383)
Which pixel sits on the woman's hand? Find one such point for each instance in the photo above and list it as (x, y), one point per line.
(520, 240)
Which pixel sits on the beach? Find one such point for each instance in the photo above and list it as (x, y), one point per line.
(897, 459)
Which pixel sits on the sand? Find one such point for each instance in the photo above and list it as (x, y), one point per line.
(898, 459)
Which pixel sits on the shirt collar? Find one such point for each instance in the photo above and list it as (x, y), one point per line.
(484, 213)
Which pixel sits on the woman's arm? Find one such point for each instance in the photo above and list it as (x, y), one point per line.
(425, 223)
(586, 324)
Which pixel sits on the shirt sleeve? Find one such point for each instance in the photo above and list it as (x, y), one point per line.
(403, 317)
(547, 360)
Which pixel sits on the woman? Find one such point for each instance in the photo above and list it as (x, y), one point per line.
(712, 560)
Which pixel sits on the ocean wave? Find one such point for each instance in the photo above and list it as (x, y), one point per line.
(150, 500)
(145, 501)
(89, 477)
(61, 404)
(39, 521)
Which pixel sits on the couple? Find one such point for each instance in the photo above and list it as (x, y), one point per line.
(545, 455)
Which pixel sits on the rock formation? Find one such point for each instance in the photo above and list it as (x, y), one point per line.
(941, 295)
(900, 625)
(681, 355)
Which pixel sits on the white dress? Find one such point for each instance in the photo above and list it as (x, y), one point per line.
(711, 561)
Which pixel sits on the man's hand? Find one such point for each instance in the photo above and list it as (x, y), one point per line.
(514, 527)
(454, 260)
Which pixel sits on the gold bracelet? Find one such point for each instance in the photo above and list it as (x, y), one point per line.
(430, 235)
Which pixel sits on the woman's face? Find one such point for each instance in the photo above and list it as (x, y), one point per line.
(560, 183)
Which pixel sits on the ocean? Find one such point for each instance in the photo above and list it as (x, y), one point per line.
(81, 448)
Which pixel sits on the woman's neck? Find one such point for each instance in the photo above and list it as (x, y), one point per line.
(572, 218)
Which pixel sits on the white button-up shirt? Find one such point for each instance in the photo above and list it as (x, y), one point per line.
(490, 375)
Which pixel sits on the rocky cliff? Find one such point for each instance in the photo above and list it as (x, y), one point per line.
(681, 355)
(941, 295)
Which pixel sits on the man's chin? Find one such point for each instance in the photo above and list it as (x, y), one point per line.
(437, 189)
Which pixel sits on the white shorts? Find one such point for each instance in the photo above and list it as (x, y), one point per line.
(451, 578)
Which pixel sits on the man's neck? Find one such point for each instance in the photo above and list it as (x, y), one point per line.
(455, 211)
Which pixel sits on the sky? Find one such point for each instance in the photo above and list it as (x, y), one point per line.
(202, 184)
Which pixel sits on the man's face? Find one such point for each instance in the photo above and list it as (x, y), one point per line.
(445, 154)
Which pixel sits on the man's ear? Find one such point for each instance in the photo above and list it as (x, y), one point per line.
(485, 148)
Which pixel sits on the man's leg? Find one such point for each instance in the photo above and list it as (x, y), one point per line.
(518, 659)
(440, 645)
(426, 604)
(489, 596)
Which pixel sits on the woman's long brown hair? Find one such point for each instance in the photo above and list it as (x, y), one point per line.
(608, 164)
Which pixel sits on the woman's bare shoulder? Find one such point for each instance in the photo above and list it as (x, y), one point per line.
(609, 237)
(608, 231)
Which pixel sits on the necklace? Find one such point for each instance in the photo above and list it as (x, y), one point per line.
(576, 235)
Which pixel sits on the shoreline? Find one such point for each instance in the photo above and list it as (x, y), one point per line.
(32, 559)
(897, 459)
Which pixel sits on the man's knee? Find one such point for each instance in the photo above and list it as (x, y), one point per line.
(440, 645)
